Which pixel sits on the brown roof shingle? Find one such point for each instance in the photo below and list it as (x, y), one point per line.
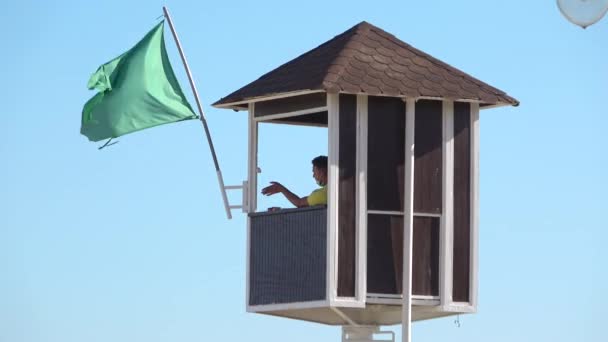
(366, 59)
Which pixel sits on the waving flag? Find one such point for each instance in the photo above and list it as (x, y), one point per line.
(137, 90)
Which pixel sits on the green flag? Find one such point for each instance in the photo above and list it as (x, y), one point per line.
(137, 90)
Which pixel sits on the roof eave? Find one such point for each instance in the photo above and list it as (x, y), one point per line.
(232, 104)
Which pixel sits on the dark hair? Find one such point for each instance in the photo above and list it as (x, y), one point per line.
(320, 162)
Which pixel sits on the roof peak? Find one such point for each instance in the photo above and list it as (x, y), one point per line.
(363, 24)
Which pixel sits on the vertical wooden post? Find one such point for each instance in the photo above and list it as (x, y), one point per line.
(408, 220)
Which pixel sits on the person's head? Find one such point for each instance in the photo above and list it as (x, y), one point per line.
(319, 170)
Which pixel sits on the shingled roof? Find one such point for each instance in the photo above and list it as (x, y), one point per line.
(367, 60)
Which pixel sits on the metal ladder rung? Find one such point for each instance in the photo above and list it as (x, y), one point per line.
(243, 206)
(366, 334)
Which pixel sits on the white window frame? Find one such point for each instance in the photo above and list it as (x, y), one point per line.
(333, 125)
(361, 200)
(252, 174)
(471, 305)
(474, 198)
(446, 241)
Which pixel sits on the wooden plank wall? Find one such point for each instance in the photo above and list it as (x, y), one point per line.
(314, 119)
(425, 254)
(287, 256)
(428, 167)
(383, 245)
(385, 153)
(385, 186)
(290, 104)
(347, 195)
(462, 201)
(386, 129)
(385, 255)
(428, 157)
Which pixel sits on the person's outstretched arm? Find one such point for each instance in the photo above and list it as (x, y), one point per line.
(276, 187)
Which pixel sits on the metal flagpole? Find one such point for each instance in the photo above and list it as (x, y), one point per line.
(200, 110)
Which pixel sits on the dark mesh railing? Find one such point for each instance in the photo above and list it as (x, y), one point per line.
(288, 256)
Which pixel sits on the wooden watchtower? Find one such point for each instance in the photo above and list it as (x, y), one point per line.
(403, 148)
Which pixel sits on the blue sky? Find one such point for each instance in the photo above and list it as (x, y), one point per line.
(131, 243)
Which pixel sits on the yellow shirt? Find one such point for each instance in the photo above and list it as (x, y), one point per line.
(317, 197)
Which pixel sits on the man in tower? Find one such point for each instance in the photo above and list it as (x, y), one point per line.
(317, 197)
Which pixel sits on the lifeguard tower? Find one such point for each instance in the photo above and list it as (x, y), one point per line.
(402, 212)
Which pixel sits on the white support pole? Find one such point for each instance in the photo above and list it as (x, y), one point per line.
(446, 245)
(408, 220)
(248, 265)
(252, 163)
(220, 179)
(344, 317)
(333, 128)
(361, 195)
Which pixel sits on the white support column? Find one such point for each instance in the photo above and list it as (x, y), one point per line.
(252, 162)
(247, 265)
(361, 195)
(252, 181)
(474, 197)
(408, 220)
(333, 129)
(446, 241)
